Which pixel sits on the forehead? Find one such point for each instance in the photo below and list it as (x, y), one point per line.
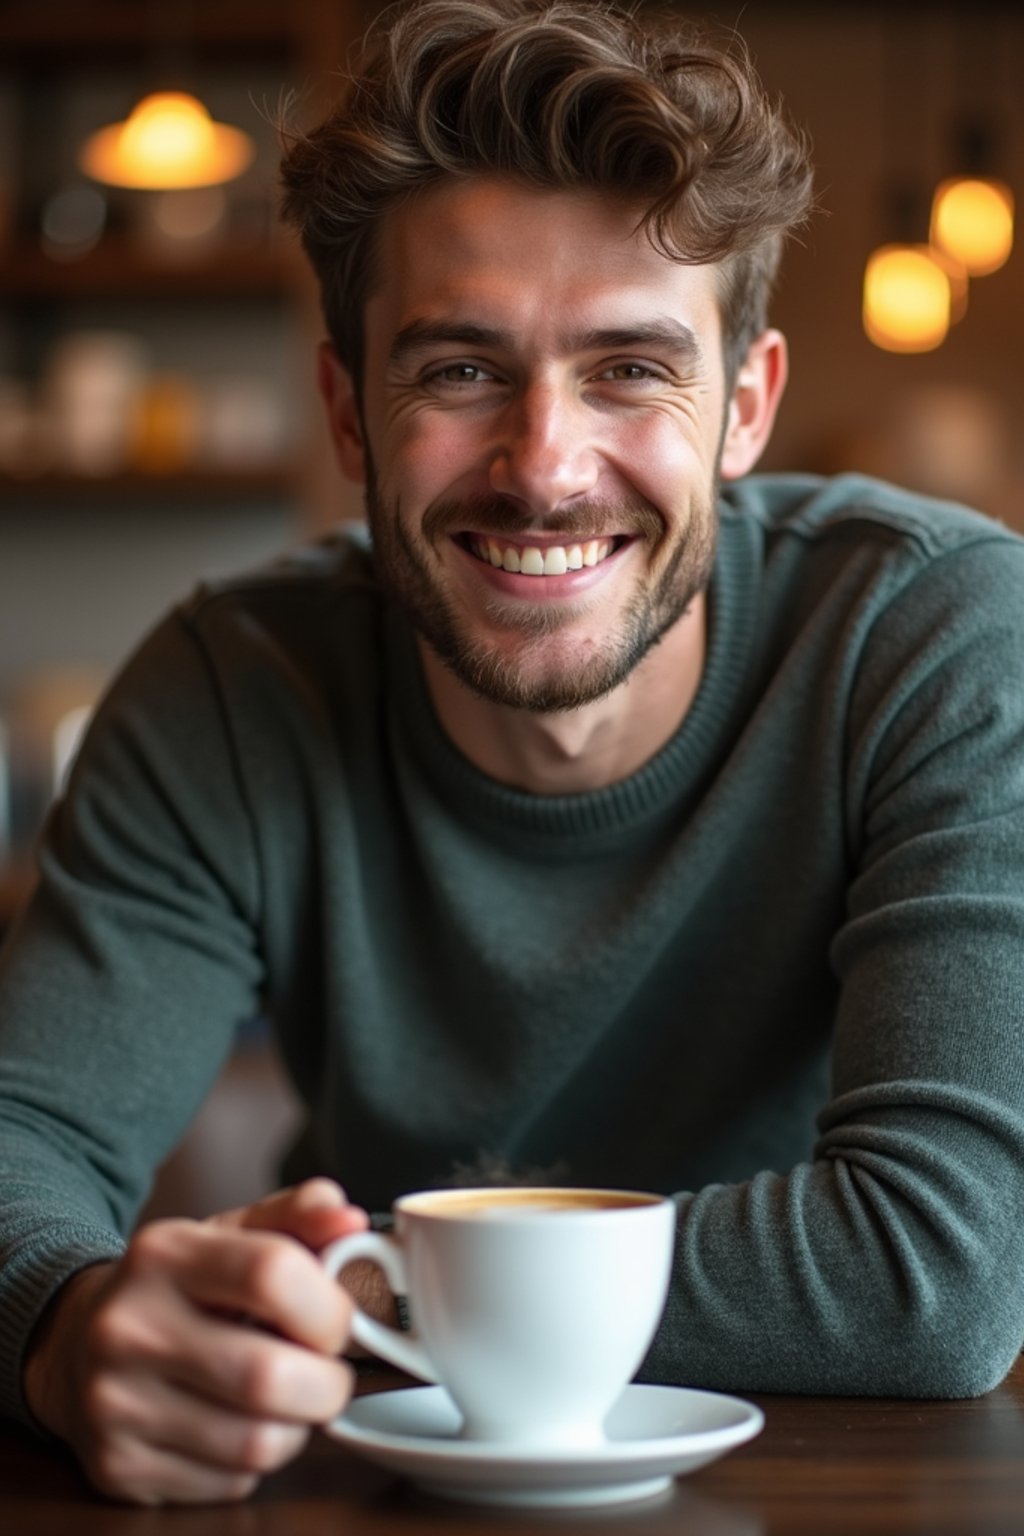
(498, 251)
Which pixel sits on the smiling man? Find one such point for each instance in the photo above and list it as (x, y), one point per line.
(610, 814)
(542, 422)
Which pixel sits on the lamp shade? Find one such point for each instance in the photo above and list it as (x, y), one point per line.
(168, 140)
(972, 221)
(907, 299)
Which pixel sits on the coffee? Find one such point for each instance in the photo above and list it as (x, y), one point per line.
(514, 1201)
(533, 1307)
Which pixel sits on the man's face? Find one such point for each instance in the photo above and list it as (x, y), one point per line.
(543, 414)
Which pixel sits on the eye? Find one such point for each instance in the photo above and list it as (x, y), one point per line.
(455, 374)
(629, 373)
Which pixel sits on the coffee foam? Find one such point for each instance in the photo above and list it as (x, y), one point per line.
(493, 1204)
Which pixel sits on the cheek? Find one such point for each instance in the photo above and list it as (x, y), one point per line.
(663, 457)
(433, 455)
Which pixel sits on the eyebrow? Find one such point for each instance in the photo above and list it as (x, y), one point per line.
(663, 333)
(418, 335)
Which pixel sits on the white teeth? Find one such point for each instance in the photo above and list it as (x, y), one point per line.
(553, 560)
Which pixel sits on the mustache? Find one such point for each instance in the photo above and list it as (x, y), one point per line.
(583, 520)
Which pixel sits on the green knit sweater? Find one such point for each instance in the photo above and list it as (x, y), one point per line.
(778, 972)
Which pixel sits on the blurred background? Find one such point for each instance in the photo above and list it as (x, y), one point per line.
(158, 421)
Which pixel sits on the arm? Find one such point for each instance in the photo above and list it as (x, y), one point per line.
(893, 1263)
(183, 1363)
(123, 983)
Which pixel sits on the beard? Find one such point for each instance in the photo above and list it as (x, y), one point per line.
(542, 670)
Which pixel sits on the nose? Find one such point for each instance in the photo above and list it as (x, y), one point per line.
(544, 454)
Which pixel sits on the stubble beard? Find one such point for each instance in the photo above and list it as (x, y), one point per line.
(538, 674)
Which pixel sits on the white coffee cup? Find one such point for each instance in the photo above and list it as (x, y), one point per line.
(533, 1307)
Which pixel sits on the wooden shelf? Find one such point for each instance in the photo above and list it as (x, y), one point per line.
(62, 31)
(199, 484)
(123, 269)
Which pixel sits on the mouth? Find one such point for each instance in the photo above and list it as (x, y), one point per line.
(535, 559)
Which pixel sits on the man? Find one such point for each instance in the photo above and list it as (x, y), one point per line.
(616, 815)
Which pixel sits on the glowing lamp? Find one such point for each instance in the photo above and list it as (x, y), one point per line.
(958, 283)
(169, 140)
(972, 221)
(907, 299)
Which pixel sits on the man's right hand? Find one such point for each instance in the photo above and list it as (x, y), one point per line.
(200, 1360)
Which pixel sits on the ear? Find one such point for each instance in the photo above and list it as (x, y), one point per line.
(343, 418)
(755, 399)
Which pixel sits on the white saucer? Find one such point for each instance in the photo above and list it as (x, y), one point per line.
(654, 1434)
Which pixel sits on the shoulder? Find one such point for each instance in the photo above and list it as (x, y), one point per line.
(864, 547)
(336, 566)
(852, 508)
(317, 606)
(314, 613)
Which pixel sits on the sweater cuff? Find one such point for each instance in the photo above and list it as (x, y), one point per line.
(31, 1278)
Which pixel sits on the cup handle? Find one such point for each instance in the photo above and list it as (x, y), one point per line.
(405, 1350)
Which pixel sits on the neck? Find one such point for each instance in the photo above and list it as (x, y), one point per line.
(574, 751)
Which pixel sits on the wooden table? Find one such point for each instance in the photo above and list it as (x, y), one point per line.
(831, 1467)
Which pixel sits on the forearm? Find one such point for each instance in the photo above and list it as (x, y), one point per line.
(892, 1266)
(54, 1222)
(894, 1263)
(100, 1072)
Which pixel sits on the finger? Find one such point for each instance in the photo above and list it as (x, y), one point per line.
(226, 1360)
(126, 1468)
(314, 1213)
(254, 1373)
(160, 1414)
(258, 1274)
(239, 1366)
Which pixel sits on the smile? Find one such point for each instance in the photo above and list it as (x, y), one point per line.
(529, 560)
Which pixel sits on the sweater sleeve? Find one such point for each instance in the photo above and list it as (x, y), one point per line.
(123, 982)
(893, 1262)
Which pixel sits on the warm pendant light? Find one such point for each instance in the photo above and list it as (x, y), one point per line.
(907, 299)
(908, 292)
(168, 141)
(972, 222)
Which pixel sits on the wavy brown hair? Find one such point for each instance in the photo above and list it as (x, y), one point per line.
(570, 94)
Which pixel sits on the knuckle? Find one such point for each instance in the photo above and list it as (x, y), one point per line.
(110, 1334)
(263, 1379)
(320, 1188)
(266, 1446)
(102, 1401)
(115, 1470)
(154, 1246)
(255, 1449)
(271, 1268)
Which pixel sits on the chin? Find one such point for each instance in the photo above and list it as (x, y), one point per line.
(567, 676)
